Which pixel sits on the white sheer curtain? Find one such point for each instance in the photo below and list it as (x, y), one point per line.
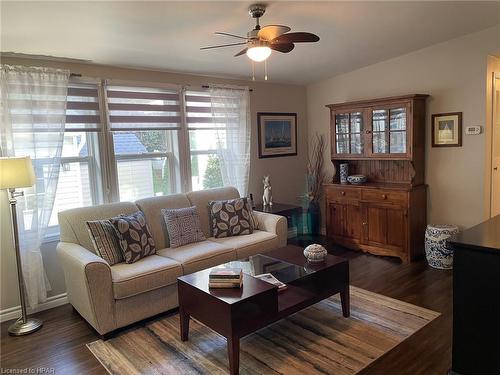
(231, 117)
(33, 119)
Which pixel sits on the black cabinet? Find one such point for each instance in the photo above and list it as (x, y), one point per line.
(476, 300)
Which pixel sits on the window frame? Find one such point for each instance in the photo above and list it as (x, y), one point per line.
(102, 159)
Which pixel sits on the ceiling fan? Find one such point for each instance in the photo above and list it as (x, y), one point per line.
(261, 41)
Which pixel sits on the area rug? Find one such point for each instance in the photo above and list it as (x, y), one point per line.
(317, 340)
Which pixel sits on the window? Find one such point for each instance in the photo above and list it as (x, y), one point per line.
(145, 124)
(79, 181)
(125, 142)
(203, 137)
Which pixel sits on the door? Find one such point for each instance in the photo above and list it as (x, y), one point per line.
(335, 219)
(390, 132)
(348, 135)
(495, 160)
(384, 226)
(352, 221)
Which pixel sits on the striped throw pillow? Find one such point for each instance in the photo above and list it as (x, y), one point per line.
(105, 241)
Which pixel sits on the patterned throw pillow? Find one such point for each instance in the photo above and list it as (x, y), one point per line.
(230, 218)
(103, 236)
(134, 236)
(183, 226)
(254, 221)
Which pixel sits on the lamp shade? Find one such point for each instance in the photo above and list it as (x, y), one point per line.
(16, 173)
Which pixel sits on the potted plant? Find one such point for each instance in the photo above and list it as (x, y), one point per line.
(315, 179)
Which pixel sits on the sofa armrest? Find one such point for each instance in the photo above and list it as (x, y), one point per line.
(273, 224)
(88, 285)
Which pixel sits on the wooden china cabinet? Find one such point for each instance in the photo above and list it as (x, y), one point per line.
(383, 139)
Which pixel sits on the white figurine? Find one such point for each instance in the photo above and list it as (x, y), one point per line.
(267, 198)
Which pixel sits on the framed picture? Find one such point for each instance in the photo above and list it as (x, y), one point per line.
(447, 130)
(277, 134)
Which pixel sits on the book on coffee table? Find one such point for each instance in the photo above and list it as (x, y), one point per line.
(225, 278)
(267, 277)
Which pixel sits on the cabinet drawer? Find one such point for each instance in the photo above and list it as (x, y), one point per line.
(337, 193)
(389, 196)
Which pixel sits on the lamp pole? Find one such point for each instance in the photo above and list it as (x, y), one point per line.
(24, 325)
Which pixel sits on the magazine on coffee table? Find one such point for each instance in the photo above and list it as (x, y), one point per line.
(267, 277)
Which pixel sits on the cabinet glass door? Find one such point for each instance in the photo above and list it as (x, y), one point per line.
(348, 133)
(389, 131)
(397, 131)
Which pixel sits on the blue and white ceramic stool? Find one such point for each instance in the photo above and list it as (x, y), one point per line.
(437, 251)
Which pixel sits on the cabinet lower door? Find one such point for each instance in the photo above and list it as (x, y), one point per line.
(335, 219)
(352, 222)
(384, 226)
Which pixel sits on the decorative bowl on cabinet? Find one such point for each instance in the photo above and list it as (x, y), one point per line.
(356, 179)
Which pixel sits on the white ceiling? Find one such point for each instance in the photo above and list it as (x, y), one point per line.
(167, 35)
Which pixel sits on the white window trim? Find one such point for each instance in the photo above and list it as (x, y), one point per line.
(105, 187)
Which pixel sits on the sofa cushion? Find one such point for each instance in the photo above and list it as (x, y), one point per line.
(152, 210)
(230, 218)
(201, 198)
(256, 243)
(134, 236)
(183, 225)
(72, 222)
(144, 275)
(200, 255)
(105, 241)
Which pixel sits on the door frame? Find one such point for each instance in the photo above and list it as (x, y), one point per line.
(495, 86)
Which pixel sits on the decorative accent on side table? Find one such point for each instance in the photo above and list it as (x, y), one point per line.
(437, 251)
(267, 197)
(315, 253)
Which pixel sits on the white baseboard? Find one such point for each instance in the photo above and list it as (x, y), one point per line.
(15, 312)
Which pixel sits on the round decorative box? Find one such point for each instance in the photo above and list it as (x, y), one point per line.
(315, 253)
(356, 179)
(437, 250)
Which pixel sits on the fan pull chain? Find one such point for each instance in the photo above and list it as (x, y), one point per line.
(253, 71)
(265, 70)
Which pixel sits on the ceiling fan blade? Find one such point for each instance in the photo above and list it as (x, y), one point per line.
(242, 52)
(282, 47)
(232, 35)
(224, 45)
(271, 32)
(296, 38)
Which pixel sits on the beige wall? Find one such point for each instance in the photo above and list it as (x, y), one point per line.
(454, 74)
(287, 173)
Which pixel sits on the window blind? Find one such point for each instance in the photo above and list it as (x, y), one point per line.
(82, 107)
(202, 111)
(143, 108)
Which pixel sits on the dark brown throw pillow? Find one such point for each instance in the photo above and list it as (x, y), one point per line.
(134, 236)
(230, 218)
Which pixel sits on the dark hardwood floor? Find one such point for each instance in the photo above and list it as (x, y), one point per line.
(60, 344)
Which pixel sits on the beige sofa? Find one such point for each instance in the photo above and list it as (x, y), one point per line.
(110, 297)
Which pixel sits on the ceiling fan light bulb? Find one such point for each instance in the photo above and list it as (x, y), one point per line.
(259, 54)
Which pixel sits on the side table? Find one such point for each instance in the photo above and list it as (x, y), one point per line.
(292, 212)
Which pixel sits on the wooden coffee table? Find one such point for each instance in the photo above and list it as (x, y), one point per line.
(235, 313)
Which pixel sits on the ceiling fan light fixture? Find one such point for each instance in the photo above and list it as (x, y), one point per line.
(259, 53)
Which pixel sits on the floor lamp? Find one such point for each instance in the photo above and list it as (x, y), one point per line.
(18, 173)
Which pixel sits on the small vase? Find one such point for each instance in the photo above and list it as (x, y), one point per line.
(344, 173)
(314, 217)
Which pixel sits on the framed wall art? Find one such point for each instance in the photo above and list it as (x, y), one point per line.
(277, 134)
(447, 129)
